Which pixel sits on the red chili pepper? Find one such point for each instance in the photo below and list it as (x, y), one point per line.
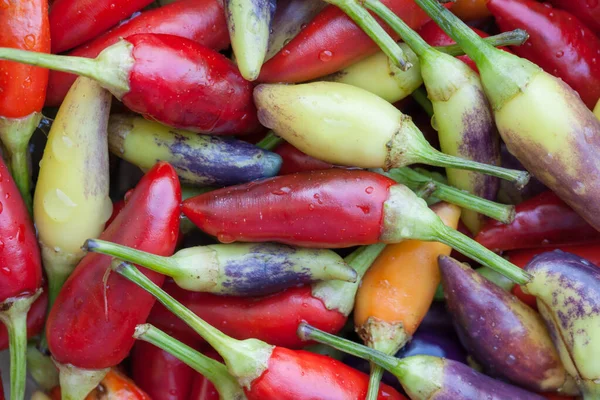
(36, 317)
(167, 78)
(117, 207)
(558, 42)
(543, 220)
(296, 161)
(92, 321)
(520, 258)
(588, 11)
(20, 275)
(23, 25)
(73, 22)
(202, 388)
(159, 374)
(202, 21)
(330, 42)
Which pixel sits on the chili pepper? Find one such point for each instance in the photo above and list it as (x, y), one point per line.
(71, 200)
(159, 374)
(20, 276)
(90, 326)
(210, 98)
(544, 220)
(265, 371)
(1, 388)
(198, 159)
(462, 114)
(331, 120)
(203, 389)
(23, 25)
(115, 385)
(273, 318)
(426, 377)
(202, 21)
(240, 269)
(396, 293)
(559, 43)
(568, 290)
(586, 11)
(511, 340)
(117, 207)
(249, 23)
(289, 19)
(540, 118)
(293, 160)
(74, 22)
(35, 320)
(330, 42)
(597, 109)
(331, 208)
(468, 10)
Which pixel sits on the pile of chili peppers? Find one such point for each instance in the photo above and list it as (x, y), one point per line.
(300, 199)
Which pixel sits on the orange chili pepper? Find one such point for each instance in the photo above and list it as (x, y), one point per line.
(114, 386)
(398, 289)
(468, 10)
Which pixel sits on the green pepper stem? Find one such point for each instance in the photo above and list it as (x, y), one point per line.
(361, 259)
(374, 382)
(437, 158)
(42, 369)
(372, 28)
(245, 359)
(14, 317)
(163, 265)
(270, 141)
(420, 96)
(477, 252)
(213, 370)
(510, 38)
(414, 180)
(307, 332)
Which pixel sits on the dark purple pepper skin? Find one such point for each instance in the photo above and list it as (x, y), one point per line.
(502, 333)
(437, 319)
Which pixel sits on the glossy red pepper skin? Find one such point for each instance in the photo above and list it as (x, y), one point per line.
(183, 84)
(159, 374)
(520, 258)
(23, 25)
(202, 21)
(558, 42)
(328, 208)
(329, 378)
(330, 42)
(273, 319)
(20, 260)
(296, 161)
(74, 22)
(543, 220)
(93, 319)
(588, 11)
(36, 317)
(203, 389)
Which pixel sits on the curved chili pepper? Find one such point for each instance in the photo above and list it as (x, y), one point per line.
(296, 161)
(203, 389)
(330, 42)
(541, 119)
(73, 22)
(202, 21)
(35, 320)
(23, 25)
(587, 11)
(558, 42)
(427, 377)
(114, 386)
(273, 318)
(265, 371)
(152, 74)
(397, 291)
(91, 324)
(159, 374)
(330, 209)
(544, 220)
(20, 276)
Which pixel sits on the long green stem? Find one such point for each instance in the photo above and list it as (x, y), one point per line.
(374, 382)
(14, 317)
(307, 332)
(160, 264)
(510, 38)
(76, 65)
(478, 253)
(372, 28)
(213, 370)
(245, 359)
(270, 141)
(414, 180)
